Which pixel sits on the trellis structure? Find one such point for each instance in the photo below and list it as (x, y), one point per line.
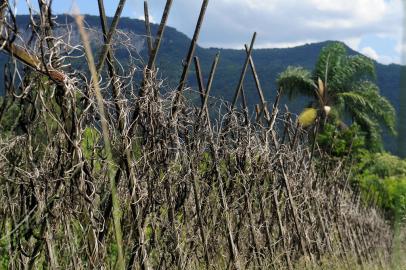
(181, 187)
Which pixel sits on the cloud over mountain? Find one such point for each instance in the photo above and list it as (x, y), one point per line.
(285, 23)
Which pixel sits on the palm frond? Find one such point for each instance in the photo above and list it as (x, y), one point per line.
(295, 81)
(365, 98)
(371, 127)
(354, 99)
(353, 69)
(378, 105)
(347, 84)
(330, 58)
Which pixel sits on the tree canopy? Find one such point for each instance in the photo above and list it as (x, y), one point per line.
(346, 84)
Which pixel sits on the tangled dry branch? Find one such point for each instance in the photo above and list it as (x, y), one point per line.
(193, 190)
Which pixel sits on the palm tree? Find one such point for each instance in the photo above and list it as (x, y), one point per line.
(343, 88)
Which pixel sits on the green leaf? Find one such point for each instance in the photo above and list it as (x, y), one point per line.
(295, 81)
(330, 58)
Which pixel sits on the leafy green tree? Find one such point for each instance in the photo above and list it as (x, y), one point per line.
(382, 179)
(343, 88)
(341, 142)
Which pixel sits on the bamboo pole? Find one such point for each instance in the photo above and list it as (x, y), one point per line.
(188, 60)
(292, 204)
(258, 85)
(199, 78)
(243, 72)
(159, 35)
(33, 62)
(282, 230)
(109, 37)
(154, 52)
(148, 27)
(209, 84)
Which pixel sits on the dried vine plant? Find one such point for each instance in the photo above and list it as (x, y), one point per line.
(103, 171)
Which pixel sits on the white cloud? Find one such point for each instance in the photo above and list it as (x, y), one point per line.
(368, 51)
(151, 18)
(360, 11)
(353, 42)
(400, 48)
(384, 59)
(287, 44)
(230, 23)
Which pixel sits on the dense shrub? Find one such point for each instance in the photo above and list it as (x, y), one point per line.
(382, 178)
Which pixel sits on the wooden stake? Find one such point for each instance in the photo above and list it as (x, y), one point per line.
(243, 72)
(188, 60)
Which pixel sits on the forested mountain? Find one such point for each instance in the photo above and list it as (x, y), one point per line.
(269, 62)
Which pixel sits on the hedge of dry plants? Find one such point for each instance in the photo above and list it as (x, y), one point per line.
(100, 170)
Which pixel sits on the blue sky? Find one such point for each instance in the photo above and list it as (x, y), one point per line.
(373, 27)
